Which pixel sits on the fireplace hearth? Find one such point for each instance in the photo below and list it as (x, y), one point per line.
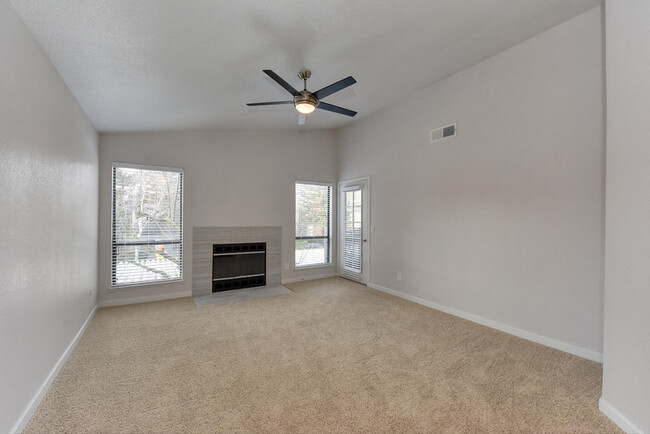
(238, 266)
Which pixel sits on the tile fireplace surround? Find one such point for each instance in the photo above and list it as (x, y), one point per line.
(203, 237)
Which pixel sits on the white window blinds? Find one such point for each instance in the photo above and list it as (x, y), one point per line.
(147, 225)
(313, 206)
(352, 240)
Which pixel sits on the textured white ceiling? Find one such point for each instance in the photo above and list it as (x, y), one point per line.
(160, 65)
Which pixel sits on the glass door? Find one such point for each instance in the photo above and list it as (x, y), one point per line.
(353, 239)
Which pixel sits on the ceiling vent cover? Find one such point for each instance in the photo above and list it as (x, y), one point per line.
(446, 132)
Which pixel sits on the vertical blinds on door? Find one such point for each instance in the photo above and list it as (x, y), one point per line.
(352, 235)
(147, 225)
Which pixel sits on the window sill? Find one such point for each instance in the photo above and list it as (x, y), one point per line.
(137, 285)
(307, 267)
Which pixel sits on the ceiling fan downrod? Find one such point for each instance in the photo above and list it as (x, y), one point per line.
(304, 75)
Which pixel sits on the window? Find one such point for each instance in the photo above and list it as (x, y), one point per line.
(147, 225)
(313, 224)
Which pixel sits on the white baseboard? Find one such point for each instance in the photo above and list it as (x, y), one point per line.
(312, 277)
(549, 342)
(617, 417)
(38, 397)
(143, 299)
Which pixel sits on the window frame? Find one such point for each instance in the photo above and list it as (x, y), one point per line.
(329, 225)
(117, 164)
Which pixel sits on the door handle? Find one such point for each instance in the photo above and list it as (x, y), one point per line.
(365, 240)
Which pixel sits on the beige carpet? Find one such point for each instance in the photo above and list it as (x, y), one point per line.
(331, 357)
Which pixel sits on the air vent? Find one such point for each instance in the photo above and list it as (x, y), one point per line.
(446, 132)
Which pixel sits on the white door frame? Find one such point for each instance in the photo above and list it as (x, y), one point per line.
(365, 225)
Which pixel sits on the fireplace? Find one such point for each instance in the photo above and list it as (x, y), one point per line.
(237, 266)
(204, 238)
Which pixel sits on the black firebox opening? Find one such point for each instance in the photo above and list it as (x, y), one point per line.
(237, 266)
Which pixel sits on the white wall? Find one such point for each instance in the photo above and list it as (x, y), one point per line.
(626, 368)
(505, 221)
(48, 217)
(231, 179)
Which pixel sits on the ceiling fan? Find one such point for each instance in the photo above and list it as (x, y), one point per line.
(305, 101)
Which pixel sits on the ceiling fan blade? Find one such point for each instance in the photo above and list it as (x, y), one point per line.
(254, 104)
(334, 87)
(281, 82)
(336, 109)
(302, 118)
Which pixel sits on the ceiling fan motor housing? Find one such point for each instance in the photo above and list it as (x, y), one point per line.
(305, 97)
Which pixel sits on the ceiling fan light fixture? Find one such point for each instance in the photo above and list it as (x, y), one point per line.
(305, 107)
